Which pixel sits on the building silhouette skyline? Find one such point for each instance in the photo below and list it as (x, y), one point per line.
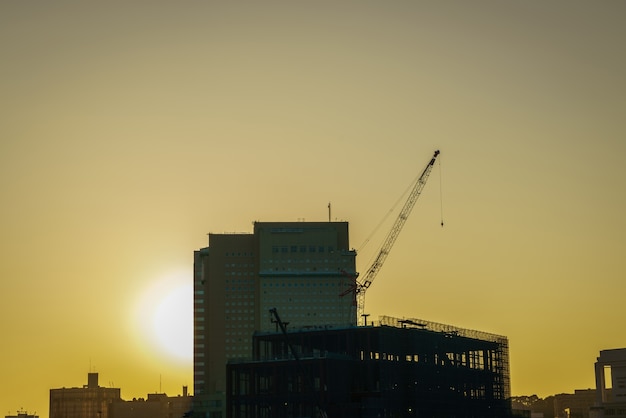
(300, 268)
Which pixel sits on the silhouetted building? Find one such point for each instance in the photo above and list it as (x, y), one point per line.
(520, 413)
(300, 268)
(610, 371)
(574, 405)
(400, 368)
(89, 401)
(22, 414)
(157, 405)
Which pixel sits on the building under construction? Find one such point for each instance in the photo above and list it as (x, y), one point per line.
(395, 368)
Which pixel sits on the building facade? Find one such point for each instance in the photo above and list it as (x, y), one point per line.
(610, 371)
(299, 268)
(574, 405)
(400, 368)
(90, 401)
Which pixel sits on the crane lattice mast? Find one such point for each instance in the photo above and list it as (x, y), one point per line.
(369, 276)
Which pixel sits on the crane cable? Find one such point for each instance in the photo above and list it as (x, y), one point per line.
(388, 213)
(410, 187)
(441, 191)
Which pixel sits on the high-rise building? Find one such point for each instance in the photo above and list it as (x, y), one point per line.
(303, 269)
(89, 401)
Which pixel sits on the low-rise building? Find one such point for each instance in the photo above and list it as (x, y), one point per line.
(90, 401)
(157, 405)
(22, 414)
(574, 405)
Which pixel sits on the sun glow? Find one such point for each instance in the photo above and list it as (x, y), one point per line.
(164, 317)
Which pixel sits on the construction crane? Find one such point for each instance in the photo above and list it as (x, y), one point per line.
(366, 281)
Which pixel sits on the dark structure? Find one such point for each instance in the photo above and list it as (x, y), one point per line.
(299, 268)
(398, 368)
(22, 414)
(157, 405)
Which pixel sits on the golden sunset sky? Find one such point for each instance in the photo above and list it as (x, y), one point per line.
(130, 130)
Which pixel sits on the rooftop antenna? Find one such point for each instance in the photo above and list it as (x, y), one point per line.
(328, 211)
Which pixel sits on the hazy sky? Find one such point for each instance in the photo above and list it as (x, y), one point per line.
(129, 130)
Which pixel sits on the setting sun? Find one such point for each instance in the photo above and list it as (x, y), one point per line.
(164, 317)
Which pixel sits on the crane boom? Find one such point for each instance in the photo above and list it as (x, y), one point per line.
(370, 275)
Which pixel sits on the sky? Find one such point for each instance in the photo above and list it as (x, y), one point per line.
(130, 130)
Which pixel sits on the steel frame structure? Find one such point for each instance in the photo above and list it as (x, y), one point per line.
(401, 368)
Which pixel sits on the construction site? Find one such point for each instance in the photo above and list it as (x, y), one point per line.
(395, 368)
(330, 361)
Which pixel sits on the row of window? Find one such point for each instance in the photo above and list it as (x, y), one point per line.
(237, 333)
(298, 261)
(301, 284)
(240, 289)
(279, 302)
(240, 311)
(237, 318)
(301, 249)
(244, 265)
(238, 340)
(239, 303)
(240, 296)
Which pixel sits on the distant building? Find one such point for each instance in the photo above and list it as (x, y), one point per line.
(90, 401)
(22, 414)
(521, 413)
(401, 368)
(532, 406)
(157, 405)
(574, 405)
(300, 268)
(610, 371)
